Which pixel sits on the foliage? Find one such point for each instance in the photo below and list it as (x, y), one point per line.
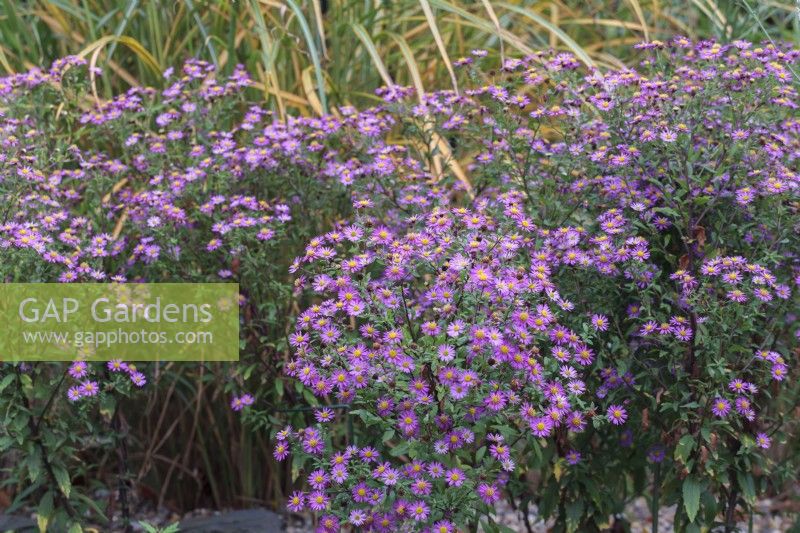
(152, 186)
(627, 239)
(172, 528)
(613, 295)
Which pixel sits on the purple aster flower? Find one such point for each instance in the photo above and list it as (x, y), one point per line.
(318, 501)
(140, 380)
(78, 369)
(74, 393)
(617, 415)
(721, 407)
(656, 454)
(281, 451)
(454, 477)
(327, 523)
(419, 511)
(489, 493)
(600, 322)
(296, 502)
(542, 426)
(116, 365)
(357, 517)
(240, 402)
(89, 388)
(779, 372)
(573, 457)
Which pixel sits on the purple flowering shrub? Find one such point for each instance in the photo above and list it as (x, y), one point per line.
(194, 182)
(451, 334)
(612, 315)
(602, 305)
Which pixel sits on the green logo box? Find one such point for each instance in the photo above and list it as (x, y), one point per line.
(129, 321)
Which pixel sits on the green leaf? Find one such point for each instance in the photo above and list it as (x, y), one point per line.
(489, 526)
(62, 478)
(367, 417)
(748, 487)
(691, 497)
(108, 405)
(310, 398)
(44, 511)
(6, 382)
(480, 454)
(399, 450)
(41, 523)
(574, 513)
(91, 504)
(149, 528)
(75, 528)
(684, 448)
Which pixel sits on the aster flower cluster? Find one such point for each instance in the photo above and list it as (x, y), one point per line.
(562, 274)
(87, 387)
(153, 187)
(121, 200)
(443, 322)
(589, 284)
(198, 175)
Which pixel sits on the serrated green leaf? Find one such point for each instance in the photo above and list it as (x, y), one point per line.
(691, 497)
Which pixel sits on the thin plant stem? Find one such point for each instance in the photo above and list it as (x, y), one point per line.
(654, 507)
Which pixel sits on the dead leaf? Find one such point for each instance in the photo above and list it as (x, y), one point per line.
(700, 235)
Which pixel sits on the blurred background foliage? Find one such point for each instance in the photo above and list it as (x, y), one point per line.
(308, 56)
(311, 54)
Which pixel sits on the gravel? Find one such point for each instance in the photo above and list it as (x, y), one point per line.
(639, 517)
(770, 516)
(765, 519)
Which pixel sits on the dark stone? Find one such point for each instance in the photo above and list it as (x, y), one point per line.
(242, 521)
(16, 523)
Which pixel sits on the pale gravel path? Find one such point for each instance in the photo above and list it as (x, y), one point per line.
(640, 518)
